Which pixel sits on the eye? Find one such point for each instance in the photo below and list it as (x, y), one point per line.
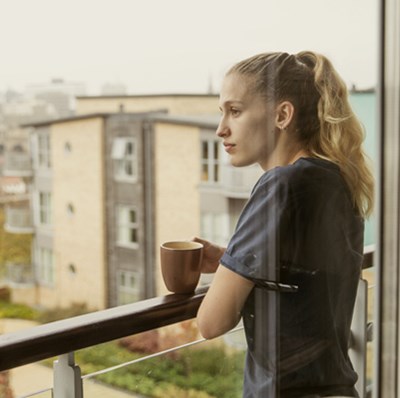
(234, 111)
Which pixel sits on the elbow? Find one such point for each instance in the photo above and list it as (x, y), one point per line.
(211, 328)
(206, 330)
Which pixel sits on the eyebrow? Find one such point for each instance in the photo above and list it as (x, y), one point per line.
(231, 102)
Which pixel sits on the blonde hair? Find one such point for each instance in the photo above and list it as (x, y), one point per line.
(325, 121)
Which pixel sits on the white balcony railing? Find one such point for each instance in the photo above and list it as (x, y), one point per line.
(17, 165)
(19, 274)
(238, 182)
(18, 220)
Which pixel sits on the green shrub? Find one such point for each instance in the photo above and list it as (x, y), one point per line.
(17, 311)
(171, 391)
(57, 313)
(199, 373)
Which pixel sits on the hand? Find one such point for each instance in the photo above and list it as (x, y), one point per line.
(212, 253)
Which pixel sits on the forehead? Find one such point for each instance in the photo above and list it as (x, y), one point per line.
(236, 88)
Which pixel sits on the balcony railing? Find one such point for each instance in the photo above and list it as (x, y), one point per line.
(19, 274)
(237, 181)
(18, 220)
(63, 337)
(17, 165)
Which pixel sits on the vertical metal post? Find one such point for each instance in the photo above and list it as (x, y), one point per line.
(358, 349)
(388, 292)
(67, 378)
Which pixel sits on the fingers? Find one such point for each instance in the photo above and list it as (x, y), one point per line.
(199, 240)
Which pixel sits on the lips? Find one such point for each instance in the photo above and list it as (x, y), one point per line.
(228, 146)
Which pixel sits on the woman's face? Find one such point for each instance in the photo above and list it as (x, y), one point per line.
(247, 124)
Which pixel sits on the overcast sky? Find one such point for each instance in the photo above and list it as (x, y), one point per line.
(157, 46)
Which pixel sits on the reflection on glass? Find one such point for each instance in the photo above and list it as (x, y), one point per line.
(207, 369)
(39, 394)
(45, 394)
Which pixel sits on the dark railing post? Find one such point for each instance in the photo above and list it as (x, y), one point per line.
(359, 337)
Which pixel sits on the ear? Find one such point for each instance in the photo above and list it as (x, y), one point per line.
(284, 114)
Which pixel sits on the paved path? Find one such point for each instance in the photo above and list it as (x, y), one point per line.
(35, 377)
(32, 378)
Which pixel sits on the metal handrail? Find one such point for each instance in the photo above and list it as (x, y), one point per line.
(60, 337)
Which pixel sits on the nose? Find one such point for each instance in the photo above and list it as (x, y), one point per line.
(222, 129)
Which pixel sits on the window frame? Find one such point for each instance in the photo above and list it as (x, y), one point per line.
(44, 210)
(44, 266)
(129, 225)
(127, 289)
(43, 151)
(210, 165)
(123, 158)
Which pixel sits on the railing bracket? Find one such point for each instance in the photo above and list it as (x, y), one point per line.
(67, 378)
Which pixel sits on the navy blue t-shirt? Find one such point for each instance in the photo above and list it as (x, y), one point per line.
(300, 228)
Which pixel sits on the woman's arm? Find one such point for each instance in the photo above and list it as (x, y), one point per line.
(221, 309)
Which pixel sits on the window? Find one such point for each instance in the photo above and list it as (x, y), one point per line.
(124, 155)
(67, 148)
(45, 208)
(70, 209)
(43, 155)
(210, 168)
(44, 266)
(128, 287)
(127, 227)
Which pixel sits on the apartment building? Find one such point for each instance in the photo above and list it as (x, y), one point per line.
(107, 188)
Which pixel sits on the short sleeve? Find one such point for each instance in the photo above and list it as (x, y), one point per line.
(253, 249)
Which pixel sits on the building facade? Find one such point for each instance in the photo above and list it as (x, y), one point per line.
(108, 188)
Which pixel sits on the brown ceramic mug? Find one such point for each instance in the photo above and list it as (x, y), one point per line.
(180, 265)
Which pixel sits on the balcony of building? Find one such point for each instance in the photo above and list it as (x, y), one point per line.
(19, 275)
(237, 182)
(63, 338)
(18, 218)
(17, 164)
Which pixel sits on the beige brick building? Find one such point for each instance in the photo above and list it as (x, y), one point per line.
(109, 187)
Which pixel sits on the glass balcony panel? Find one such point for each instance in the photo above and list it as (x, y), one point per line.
(19, 274)
(17, 164)
(34, 380)
(100, 390)
(238, 182)
(197, 369)
(18, 220)
(39, 394)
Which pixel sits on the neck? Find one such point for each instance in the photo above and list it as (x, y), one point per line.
(284, 157)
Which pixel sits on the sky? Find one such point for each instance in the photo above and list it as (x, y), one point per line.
(177, 46)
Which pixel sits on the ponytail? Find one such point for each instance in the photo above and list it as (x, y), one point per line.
(340, 135)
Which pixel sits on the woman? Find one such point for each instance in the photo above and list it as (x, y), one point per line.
(292, 267)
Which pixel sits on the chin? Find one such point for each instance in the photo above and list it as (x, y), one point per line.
(240, 163)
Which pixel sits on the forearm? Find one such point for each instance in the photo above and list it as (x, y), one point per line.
(221, 309)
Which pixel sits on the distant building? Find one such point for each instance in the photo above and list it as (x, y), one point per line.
(12, 186)
(59, 93)
(113, 89)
